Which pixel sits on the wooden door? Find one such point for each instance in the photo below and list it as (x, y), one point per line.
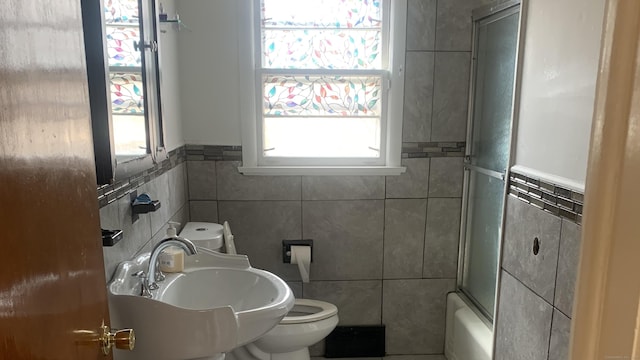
(606, 312)
(52, 279)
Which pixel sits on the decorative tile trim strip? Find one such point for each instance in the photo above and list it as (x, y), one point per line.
(409, 150)
(214, 152)
(112, 192)
(432, 149)
(552, 198)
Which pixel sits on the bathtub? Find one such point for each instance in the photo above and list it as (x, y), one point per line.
(467, 337)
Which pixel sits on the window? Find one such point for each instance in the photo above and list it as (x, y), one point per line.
(122, 57)
(329, 80)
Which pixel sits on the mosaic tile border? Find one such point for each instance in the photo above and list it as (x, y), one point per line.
(409, 150)
(112, 192)
(432, 149)
(547, 196)
(213, 152)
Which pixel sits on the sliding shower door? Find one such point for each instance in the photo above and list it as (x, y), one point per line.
(488, 150)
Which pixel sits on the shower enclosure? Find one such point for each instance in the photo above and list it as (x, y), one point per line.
(496, 33)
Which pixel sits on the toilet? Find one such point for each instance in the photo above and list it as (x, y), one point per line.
(308, 322)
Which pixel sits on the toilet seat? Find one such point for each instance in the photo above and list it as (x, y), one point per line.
(313, 310)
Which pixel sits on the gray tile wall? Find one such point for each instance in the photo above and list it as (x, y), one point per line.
(437, 70)
(385, 249)
(382, 245)
(536, 293)
(171, 189)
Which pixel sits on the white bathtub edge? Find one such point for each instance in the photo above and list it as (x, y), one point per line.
(467, 337)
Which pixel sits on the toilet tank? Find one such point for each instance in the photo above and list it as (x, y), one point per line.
(204, 234)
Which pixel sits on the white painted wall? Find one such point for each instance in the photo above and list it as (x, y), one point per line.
(208, 72)
(560, 65)
(170, 91)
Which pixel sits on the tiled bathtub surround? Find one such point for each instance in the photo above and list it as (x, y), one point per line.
(536, 291)
(385, 248)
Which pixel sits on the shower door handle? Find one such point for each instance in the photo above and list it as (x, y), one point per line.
(481, 170)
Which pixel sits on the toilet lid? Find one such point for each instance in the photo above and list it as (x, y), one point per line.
(307, 310)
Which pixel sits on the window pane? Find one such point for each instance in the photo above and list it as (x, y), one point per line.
(120, 46)
(322, 49)
(322, 96)
(129, 135)
(321, 13)
(126, 93)
(322, 34)
(121, 11)
(322, 137)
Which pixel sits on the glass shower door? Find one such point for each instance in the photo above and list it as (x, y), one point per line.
(488, 150)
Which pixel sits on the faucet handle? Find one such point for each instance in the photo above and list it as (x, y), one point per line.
(146, 291)
(159, 275)
(139, 274)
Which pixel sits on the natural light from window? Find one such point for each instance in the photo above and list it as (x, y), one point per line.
(125, 75)
(324, 76)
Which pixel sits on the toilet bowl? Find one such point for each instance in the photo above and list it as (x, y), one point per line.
(308, 322)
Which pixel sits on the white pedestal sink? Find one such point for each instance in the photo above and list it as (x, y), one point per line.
(217, 304)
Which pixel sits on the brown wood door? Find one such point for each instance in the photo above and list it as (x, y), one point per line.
(52, 279)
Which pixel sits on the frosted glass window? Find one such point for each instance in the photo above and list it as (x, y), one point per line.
(322, 49)
(495, 51)
(351, 14)
(127, 94)
(120, 46)
(322, 96)
(496, 61)
(323, 76)
(484, 217)
(129, 134)
(322, 137)
(126, 83)
(121, 12)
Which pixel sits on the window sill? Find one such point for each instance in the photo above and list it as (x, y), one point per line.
(322, 170)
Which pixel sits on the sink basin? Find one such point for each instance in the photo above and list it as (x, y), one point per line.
(217, 304)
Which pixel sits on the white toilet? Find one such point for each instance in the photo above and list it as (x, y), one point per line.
(307, 323)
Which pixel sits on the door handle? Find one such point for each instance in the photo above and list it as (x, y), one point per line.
(108, 339)
(124, 339)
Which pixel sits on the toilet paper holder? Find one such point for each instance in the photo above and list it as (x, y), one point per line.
(286, 248)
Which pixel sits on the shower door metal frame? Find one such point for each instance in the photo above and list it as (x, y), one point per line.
(509, 8)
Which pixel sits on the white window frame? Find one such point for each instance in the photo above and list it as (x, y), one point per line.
(250, 75)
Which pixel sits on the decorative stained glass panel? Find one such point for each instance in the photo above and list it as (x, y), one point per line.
(357, 14)
(322, 96)
(322, 49)
(120, 46)
(121, 11)
(322, 34)
(126, 93)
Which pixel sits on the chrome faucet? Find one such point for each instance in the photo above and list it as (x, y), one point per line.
(149, 283)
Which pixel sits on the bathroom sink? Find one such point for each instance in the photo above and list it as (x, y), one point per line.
(219, 302)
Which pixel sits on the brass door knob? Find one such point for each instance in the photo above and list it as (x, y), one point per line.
(124, 339)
